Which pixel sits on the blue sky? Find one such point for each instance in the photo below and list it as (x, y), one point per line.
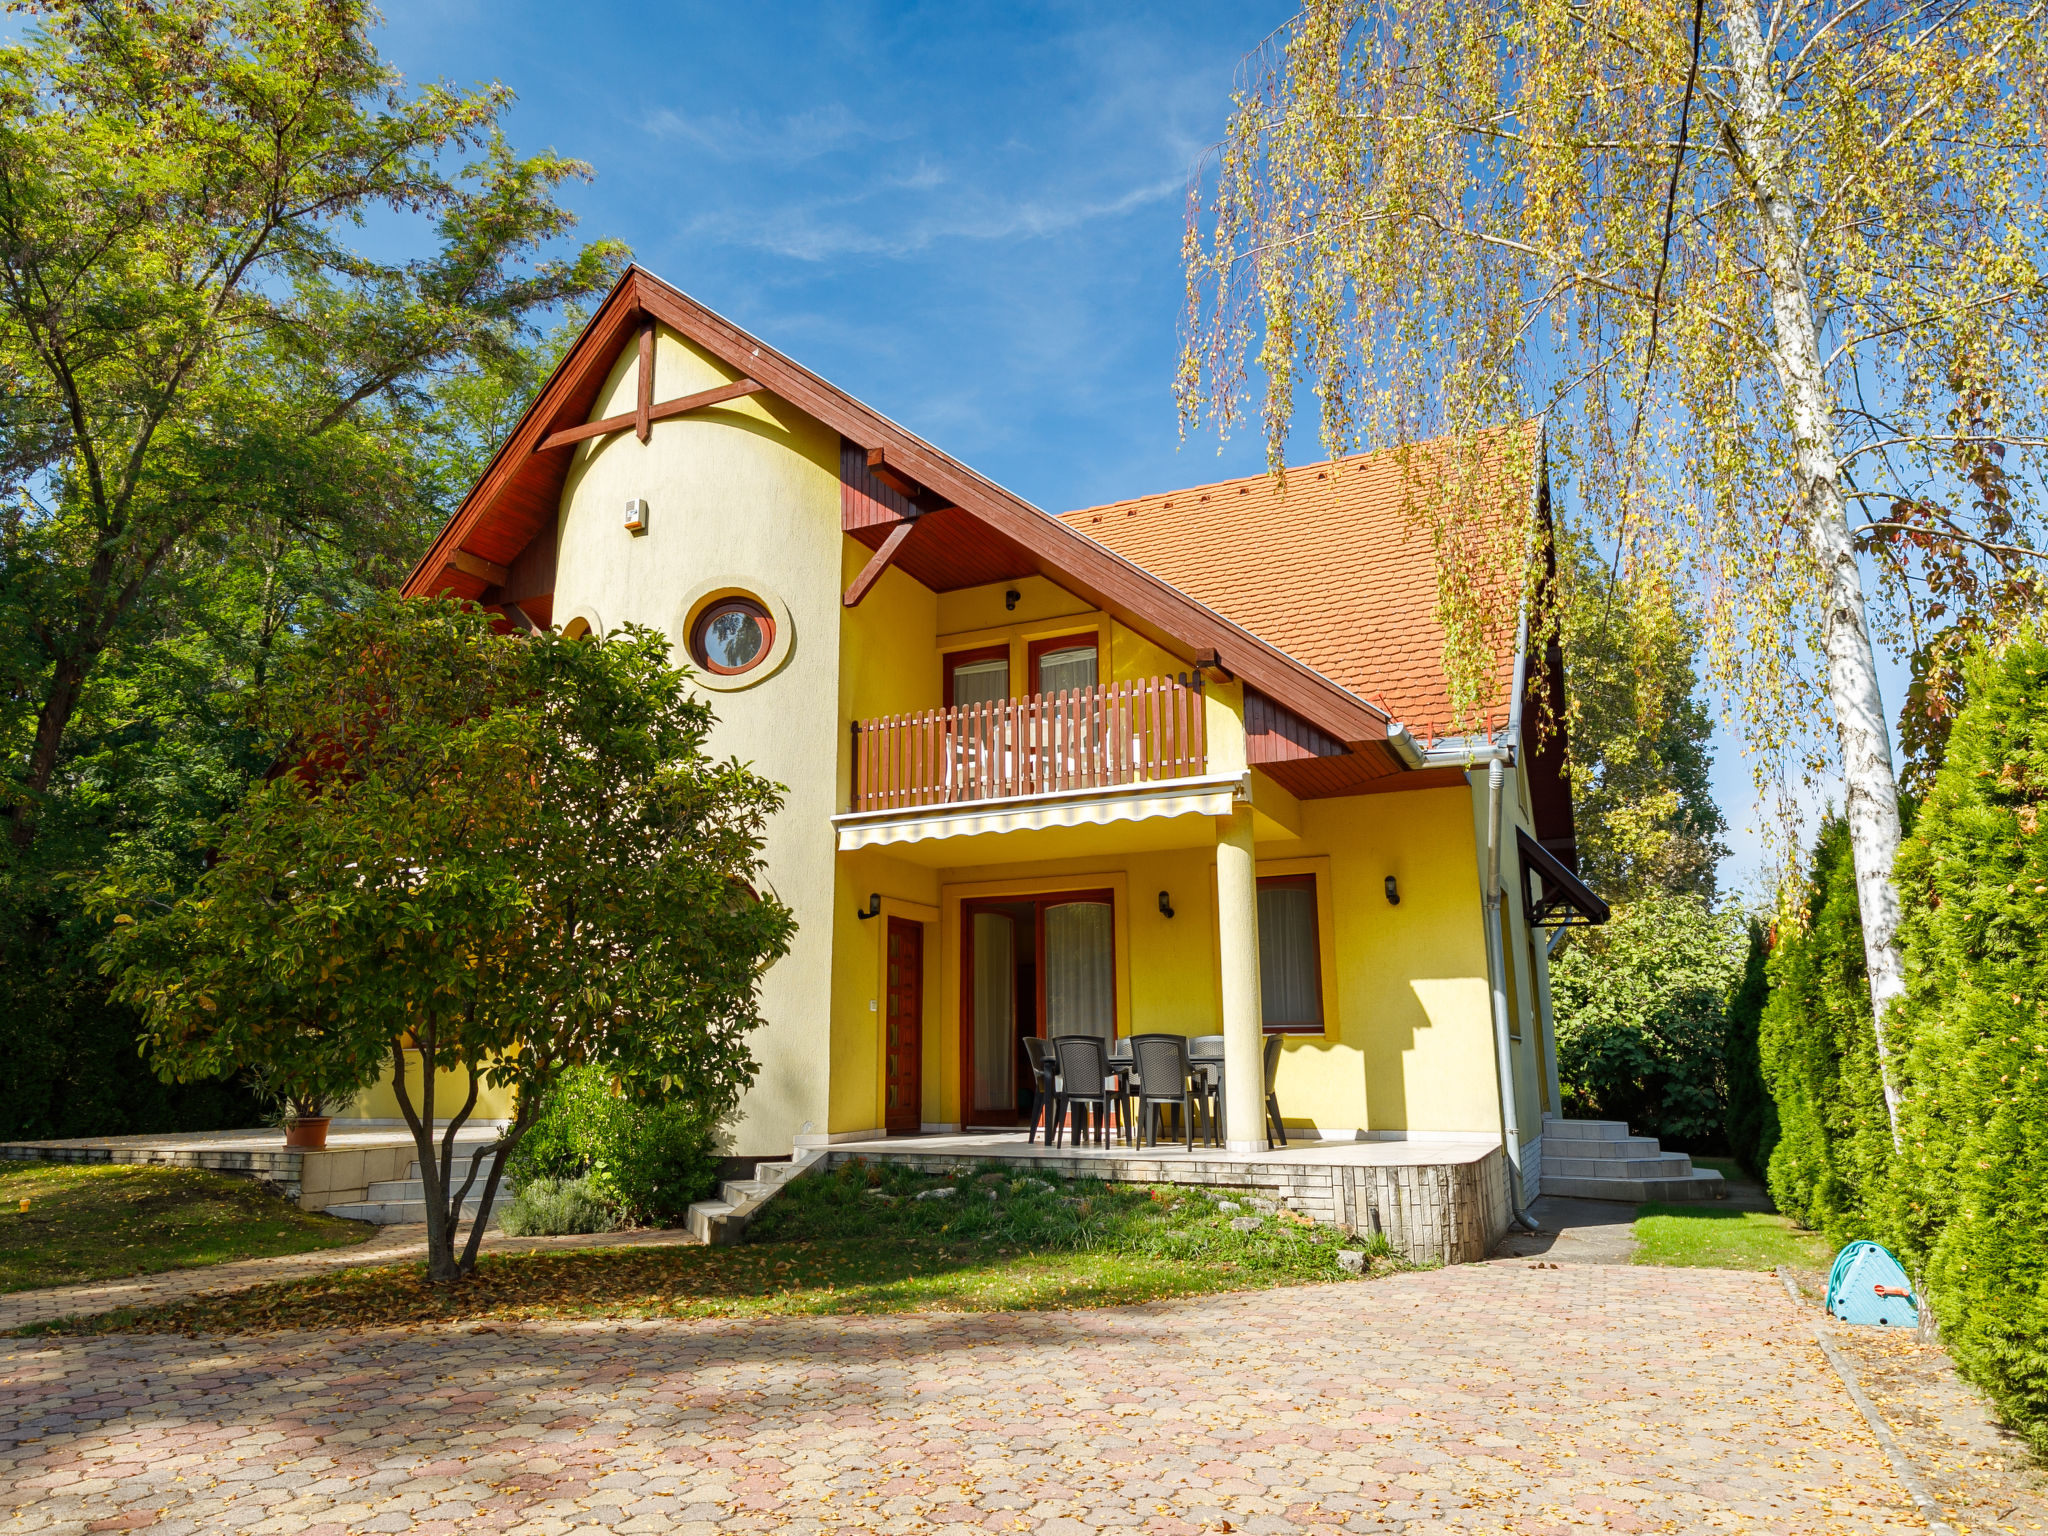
(968, 216)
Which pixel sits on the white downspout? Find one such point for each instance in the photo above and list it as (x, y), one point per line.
(1496, 958)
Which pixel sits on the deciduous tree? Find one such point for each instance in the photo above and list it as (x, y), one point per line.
(1773, 276)
(497, 857)
(199, 371)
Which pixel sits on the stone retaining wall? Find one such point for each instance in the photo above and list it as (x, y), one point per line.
(1431, 1213)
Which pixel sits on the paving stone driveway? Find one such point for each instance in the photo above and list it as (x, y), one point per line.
(1484, 1398)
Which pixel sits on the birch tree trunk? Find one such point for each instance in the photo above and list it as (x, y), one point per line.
(1869, 787)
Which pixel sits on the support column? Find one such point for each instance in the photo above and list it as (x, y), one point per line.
(1237, 926)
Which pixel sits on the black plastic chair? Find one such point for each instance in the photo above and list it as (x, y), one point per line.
(1205, 1059)
(1274, 1128)
(1164, 1077)
(1044, 1086)
(1084, 1079)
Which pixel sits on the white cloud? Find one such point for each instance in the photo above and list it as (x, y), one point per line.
(782, 141)
(819, 230)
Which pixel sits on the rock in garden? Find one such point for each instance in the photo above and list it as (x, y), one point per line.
(1227, 1206)
(1245, 1224)
(1352, 1260)
(1263, 1207)
(943, 1192)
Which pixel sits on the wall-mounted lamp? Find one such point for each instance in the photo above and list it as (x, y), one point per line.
(1165, 905)
(1393, 892)
(1011, 598)
(874, 907)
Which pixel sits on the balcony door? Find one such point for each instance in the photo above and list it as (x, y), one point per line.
(1037, 965)
(1065, 663)
(978, 677)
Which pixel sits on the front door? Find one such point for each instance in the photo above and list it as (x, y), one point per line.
(903, 1044)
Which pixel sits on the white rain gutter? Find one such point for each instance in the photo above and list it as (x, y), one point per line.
(1496, 956)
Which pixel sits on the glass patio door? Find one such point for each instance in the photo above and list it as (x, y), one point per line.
(1080, 969)
(993, 1079)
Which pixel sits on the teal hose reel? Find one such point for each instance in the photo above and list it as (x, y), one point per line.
(1868, 1286)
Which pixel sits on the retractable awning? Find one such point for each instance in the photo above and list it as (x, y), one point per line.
(1552, 896)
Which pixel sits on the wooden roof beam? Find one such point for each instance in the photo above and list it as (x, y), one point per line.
(487, 571)
(879, 562)
(892, 476)
(662, 412)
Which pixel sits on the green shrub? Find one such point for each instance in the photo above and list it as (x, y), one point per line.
(1819, 1055)
(1640, 1007)
(1752, 1118)
(1969, 1201)
(1037, 1209)
(552, 1207)
(647, 1158)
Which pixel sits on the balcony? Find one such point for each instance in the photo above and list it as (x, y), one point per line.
(1121, 751)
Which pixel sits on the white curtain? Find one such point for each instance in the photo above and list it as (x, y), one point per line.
(1070, 668)
(995, 1011)
(981, 682)
(1080, 979)
(1287, 955)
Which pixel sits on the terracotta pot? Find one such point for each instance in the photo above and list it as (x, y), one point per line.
(307, 1131)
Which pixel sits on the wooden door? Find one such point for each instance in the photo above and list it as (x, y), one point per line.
(903, 1026)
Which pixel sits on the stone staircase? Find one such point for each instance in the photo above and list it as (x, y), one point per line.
(391, 1201)
(1599, 1160)
(722, 1220)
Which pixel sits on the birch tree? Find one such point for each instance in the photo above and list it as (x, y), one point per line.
(1772, 277)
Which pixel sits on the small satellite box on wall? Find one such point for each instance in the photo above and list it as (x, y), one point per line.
(636, 517)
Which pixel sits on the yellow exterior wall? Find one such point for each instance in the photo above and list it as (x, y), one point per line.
(745, 494)
(450, 1089)
(1523, 992)
(1408, 1045)
(1410, 1036)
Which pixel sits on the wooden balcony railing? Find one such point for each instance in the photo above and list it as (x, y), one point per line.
(1081, 738)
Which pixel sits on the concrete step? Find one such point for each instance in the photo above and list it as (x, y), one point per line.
(724, 1219)
(1702, 1184)
(1617, 1148)
(1589, 1130)
(416, 1189)
(1668, 1165)
(389, 1213)
(388, 1202)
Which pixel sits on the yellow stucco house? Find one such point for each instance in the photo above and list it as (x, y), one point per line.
(1176, 764)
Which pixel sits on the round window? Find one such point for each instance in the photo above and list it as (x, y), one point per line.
(732, 635)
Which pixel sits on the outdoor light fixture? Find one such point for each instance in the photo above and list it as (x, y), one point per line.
(636, 516)
(1165, 906)
(874, 907)
(1011, 598)
(1393, 893)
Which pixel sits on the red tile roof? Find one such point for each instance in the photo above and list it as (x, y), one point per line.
(1334, 570)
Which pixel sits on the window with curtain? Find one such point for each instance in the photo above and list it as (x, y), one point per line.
(981, 682)
(1071, 666)
(1290, 955)
(995, 1011)
(1080, 973)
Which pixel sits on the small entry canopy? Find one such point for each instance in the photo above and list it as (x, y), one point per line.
(1552, 896)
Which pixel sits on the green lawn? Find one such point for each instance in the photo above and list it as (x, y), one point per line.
(1710, 1237)
(101, 1221)
(855, 1240)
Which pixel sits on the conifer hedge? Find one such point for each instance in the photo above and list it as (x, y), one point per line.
(1968, 1203)
(1819, 1056)
(1752, 1117)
